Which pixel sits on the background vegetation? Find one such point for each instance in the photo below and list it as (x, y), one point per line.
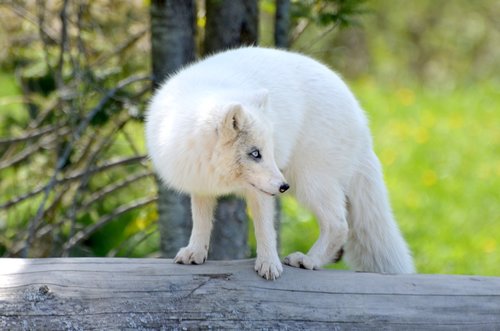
(426, 72)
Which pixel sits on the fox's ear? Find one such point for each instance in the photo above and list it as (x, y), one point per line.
(233, 120)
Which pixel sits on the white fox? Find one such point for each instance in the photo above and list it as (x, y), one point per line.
(257, 122)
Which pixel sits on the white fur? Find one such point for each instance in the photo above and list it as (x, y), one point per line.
(311, 133)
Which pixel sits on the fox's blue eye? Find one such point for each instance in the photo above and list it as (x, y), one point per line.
(255, 154)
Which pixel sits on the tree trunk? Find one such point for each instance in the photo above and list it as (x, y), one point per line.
(172, 36)
(230, 233)
(282, 24)
(172, 45)
(230, 23)
(281, 40)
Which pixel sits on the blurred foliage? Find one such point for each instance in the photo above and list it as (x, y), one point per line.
(439, 43)
(327, 12)
(427, 73)
(73, 180)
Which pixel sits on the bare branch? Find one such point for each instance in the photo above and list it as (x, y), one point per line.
(46, 111)
(143, 236)
(321, 36)
(299, 30)
(31, 149)
(23, 13)
(59, 195)
(102, 146)
(19, 157)
(63, 42)
(42, 35)
(121, 48)
(32, 135)
(99, 195)
(76, 176)
(67, 150)
(85, 233)
(120, 162)
(130, 141)
(81, 45)
(83, 72)
(21, 198)
(4, 101)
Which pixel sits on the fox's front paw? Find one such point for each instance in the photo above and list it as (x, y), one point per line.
(269, 268)
(301, 260)
(191, 255)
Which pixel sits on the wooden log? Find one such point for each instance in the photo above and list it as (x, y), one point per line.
(147, 294)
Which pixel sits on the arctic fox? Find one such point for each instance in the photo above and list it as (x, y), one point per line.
(257, 122)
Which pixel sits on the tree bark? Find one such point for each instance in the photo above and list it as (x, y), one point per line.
(172, 45)
(281, 40)
(172, 36)
(230, 233)
(230, 23)
(282, 24)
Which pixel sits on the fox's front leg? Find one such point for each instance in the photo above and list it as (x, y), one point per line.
(268, 264)
(202, 209)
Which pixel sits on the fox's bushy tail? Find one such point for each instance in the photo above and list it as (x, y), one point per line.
(375, 243)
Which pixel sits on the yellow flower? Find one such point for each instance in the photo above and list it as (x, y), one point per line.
(412, 200)
(489, 245)
(428, 119)
(421, 135)
(406, 96)
(388, 156)
(456, 121)
(429, 178)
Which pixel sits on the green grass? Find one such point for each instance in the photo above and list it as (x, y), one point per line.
(440, 151)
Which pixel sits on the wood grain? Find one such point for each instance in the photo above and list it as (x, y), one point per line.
(155, 294)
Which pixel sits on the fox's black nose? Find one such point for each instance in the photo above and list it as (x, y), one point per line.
(284, 187)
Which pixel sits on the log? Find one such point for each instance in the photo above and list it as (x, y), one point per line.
(156, 294)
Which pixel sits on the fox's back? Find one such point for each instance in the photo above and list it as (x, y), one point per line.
(310, 107)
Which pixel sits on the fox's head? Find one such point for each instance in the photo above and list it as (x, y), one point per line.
(244, 149)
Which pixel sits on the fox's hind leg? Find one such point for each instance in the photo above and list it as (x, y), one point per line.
(326, 200)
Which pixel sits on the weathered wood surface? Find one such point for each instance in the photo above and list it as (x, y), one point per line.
(118, 294)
